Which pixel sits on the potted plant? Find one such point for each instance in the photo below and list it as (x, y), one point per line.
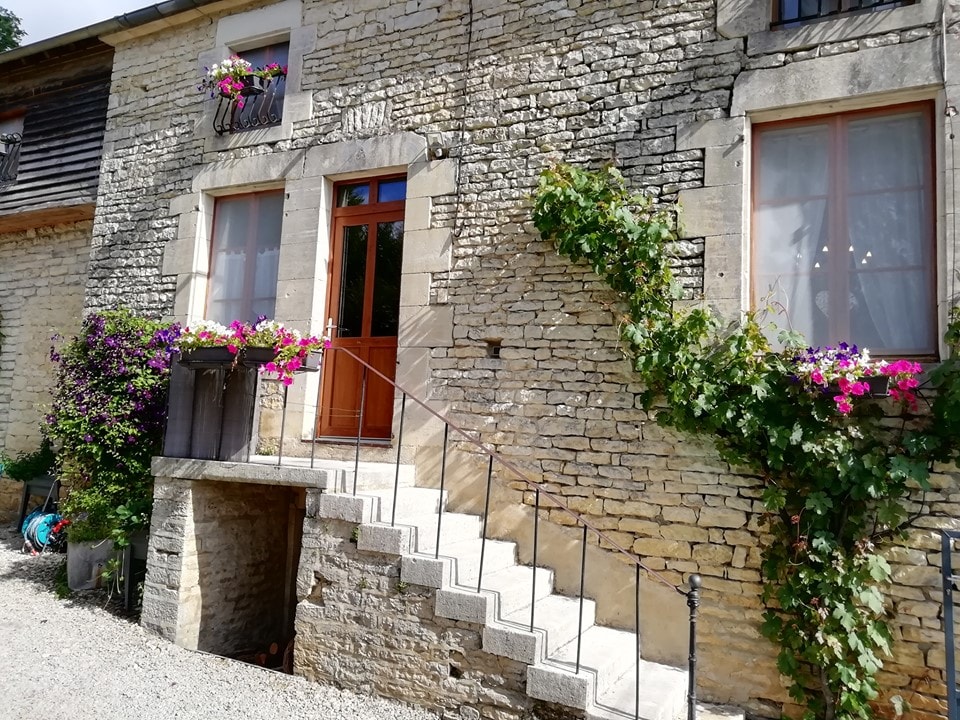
(229, 79)
(845, 371)
(208, 343)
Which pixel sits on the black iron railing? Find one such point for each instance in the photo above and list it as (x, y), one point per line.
(948, 540)
(9, 156)
(790, 12)
(260, 105)
(692, 593)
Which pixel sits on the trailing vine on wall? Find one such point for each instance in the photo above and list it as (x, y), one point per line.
(842, 473)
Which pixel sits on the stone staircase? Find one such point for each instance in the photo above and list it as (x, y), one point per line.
(604, 688)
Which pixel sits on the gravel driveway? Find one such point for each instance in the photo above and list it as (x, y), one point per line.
(73, 659)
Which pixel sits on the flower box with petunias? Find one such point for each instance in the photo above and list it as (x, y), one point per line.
(277, 350)
(846, 372)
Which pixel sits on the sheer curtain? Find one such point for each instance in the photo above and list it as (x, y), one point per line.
(790, 238)
(245, 257)
(888, 196)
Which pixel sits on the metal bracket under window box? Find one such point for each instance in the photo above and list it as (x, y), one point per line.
(260, 105)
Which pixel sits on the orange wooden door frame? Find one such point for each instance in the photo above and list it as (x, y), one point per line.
(342, 391)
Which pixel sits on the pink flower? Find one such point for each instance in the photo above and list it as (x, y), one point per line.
(843, 404)
(232, 349)
(270, 367)
(817, 377)
(287, 380)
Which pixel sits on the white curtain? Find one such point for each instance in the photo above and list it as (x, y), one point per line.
(887, 221)
(790, 236)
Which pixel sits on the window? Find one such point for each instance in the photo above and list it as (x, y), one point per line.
(245, 256)
(789, 13)
(843, 227)
(11, 136)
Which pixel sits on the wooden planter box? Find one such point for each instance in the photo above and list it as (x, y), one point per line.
(212, 410)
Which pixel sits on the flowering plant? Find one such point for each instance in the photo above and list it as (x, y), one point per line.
(290, 347)
(845, 367)
(271, 70)
(226, 78)
(108, 415)
(204, 333)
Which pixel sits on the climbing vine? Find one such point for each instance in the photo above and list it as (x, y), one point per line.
(841, 472)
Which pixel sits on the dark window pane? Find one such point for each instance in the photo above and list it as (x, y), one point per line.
(392, 190)
(386, 288)
(269, 106)
(352, 278)
(350, 195)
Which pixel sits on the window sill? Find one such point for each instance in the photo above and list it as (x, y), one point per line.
(850, 27)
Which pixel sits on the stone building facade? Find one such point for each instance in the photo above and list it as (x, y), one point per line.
(469, 100)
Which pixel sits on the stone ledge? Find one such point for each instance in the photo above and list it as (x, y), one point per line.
(253, 472)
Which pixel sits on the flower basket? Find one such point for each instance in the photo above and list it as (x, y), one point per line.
(256, 356)
(207, 357)
(253, 85)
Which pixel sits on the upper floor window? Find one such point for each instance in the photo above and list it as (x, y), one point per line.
(245, 256)
(843, 228)
(261, 101)
(788, 13)
(11, 137)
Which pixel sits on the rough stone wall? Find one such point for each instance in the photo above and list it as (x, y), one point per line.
(42, 274)
(572, 80)
(359, 627)
(219, 575)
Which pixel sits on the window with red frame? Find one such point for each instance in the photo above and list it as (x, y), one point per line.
(843, 228)
(245, 255)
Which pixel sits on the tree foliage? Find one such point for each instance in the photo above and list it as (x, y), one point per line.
(837, 484)
(10, 31)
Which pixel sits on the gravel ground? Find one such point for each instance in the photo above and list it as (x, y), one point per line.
(73, 658)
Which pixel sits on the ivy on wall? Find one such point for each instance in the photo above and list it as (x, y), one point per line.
(839, 474)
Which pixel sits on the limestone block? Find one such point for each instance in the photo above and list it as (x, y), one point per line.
(712, 211)
(877, 70)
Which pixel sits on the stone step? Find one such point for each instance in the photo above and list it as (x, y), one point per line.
(555, 624)
(337, 475)
(458, 564)
(454, 527)
(377, 505)
(663, 695)
(502, 592)
(606, 655)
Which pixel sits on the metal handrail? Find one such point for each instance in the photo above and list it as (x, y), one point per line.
(516, 471)
(692, 595)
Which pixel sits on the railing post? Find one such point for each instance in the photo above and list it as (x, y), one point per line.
(946, 546)
(536, 533)
(486, 514)
(283, 426)
(636, 630)
(693, 602)
(443, 476)
(396, 474)
(363, 403)
(583, 572)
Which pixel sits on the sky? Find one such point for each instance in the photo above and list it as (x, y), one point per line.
(45, 18)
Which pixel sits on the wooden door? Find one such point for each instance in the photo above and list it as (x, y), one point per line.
(364, 303)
